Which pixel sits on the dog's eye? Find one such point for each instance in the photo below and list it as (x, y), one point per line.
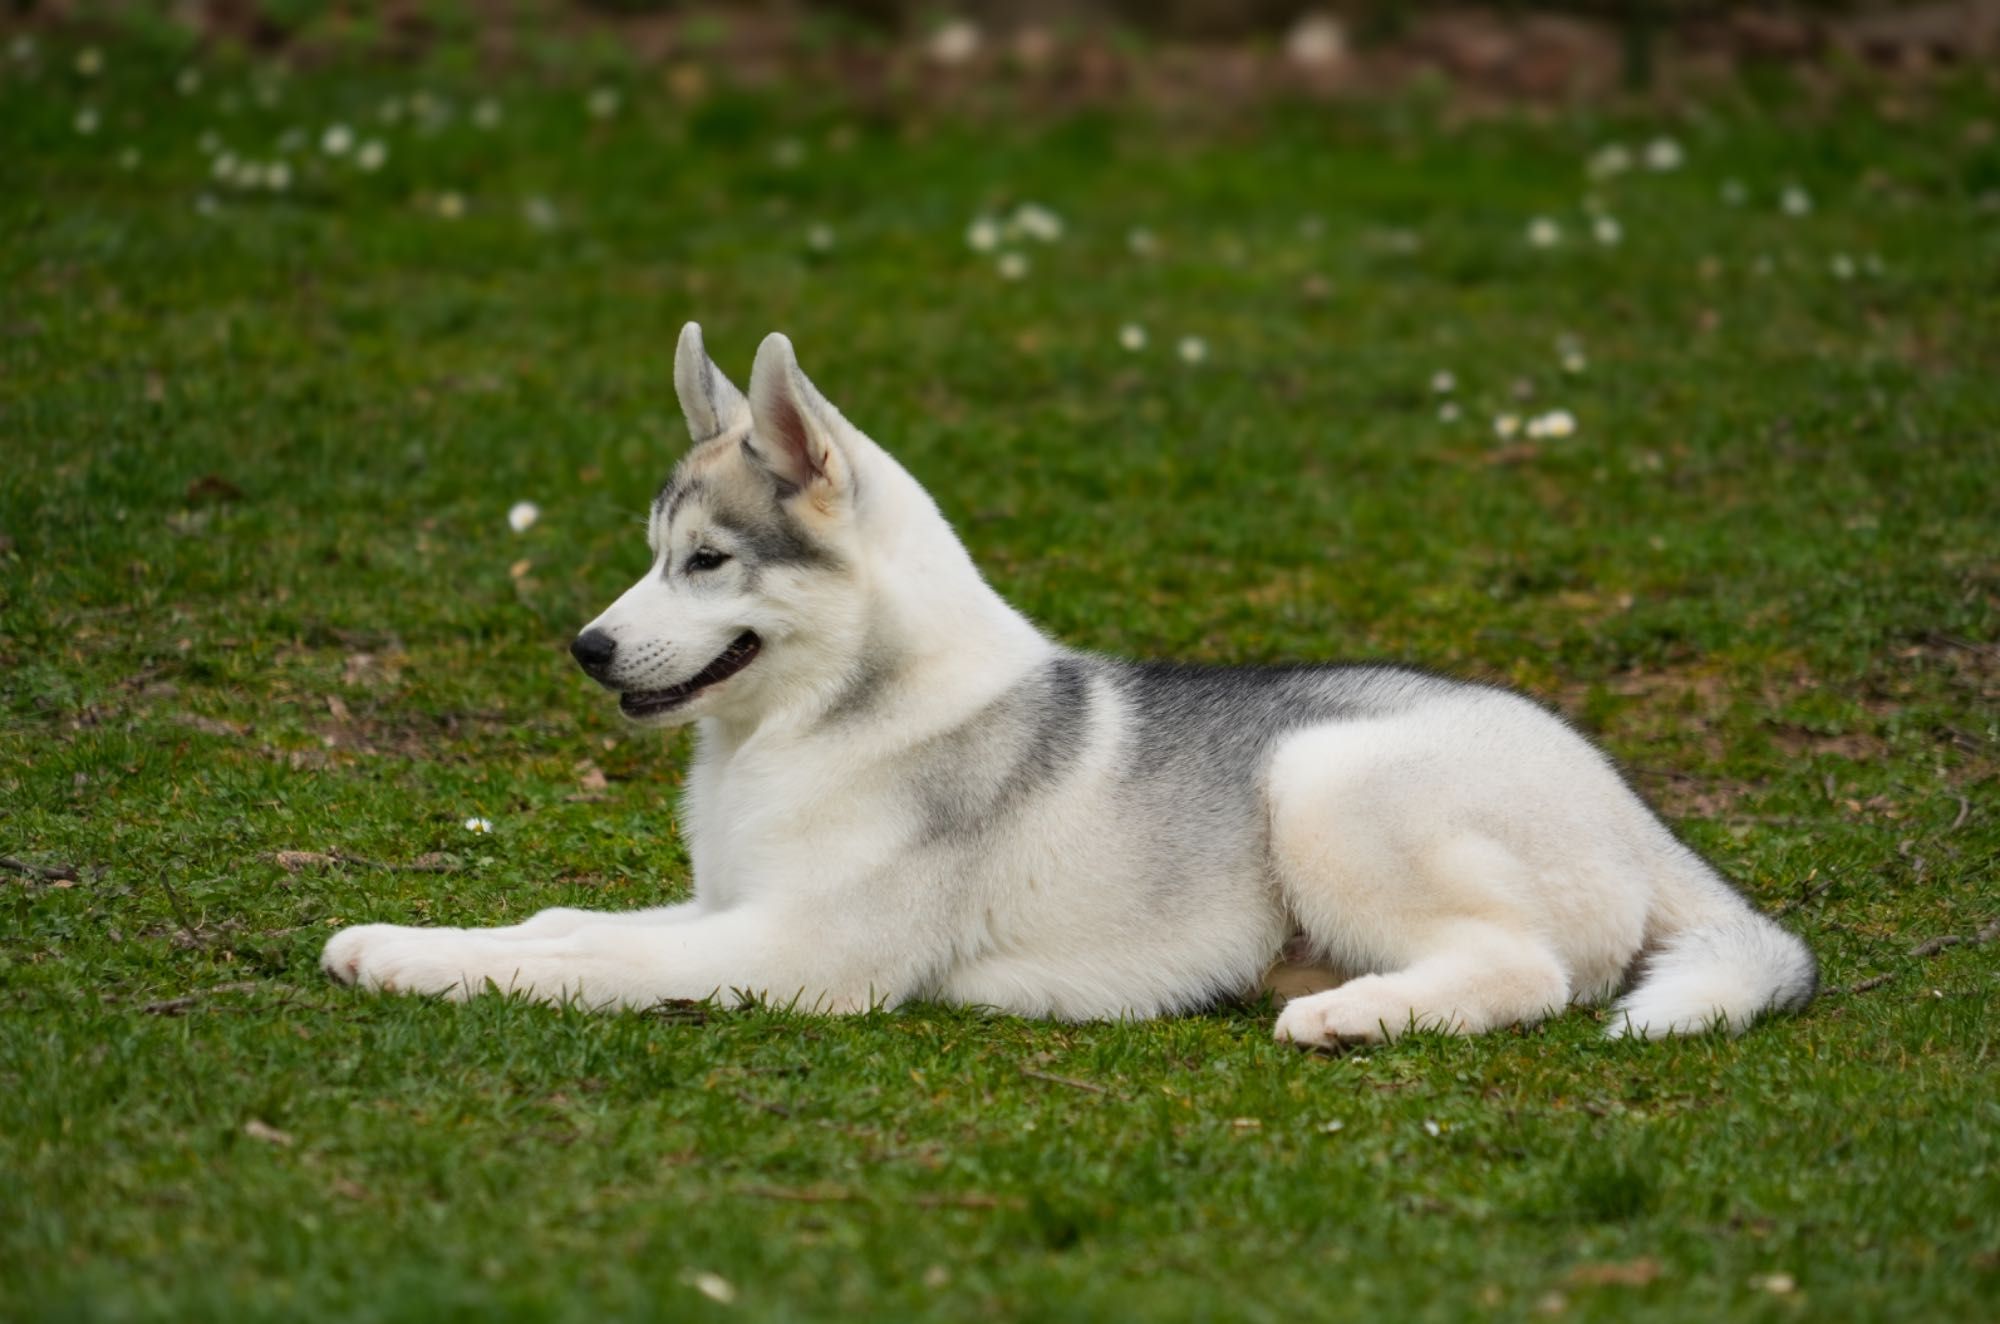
(706, 558)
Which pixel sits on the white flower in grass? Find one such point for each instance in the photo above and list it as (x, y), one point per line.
(1664, 154)
(451, 206)
(479, 826)
(1734, 193)
(1607, 231)
(1795, 201)
(1316, 41)
(338, 140)
(223, 168)
(1448, 412)
(1842, 267)
(1777, 1284)
(1557, 423)
(1432, 1129)
(486, 114)
(1543, 232)
(713, 1286)
(277, 176)
(90, 62)
(371, 155)
(86, 121)
(128, 159)
(603, 103)
(1443, 382)
(788, 154)
(539, 213)
(1506, 425)
(1192, 349)
(1037, 222)
(820, 238)
(1573, 361)
(1608, 160)
(187, 82)
(209, 143)
(521, 516)
(1142, 243)
(1012, 265)
(1132, 336)
(954, 44)
(1334, 1127)
(983, 235)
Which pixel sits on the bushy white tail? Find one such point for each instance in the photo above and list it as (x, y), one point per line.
(1722, 971)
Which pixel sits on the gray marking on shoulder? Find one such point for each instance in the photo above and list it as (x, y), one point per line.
(1018, 747)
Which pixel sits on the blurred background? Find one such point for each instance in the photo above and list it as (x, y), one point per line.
(1095, 49)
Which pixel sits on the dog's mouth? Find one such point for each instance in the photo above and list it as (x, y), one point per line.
(646, 703)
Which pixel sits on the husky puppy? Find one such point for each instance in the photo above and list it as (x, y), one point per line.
(905, 791)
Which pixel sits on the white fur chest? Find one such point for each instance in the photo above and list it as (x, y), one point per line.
(791, 817)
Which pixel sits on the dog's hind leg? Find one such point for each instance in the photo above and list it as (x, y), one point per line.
(1477, 978)
(1384, 877)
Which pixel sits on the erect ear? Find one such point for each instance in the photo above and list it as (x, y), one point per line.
(710, 400)
(794, 432)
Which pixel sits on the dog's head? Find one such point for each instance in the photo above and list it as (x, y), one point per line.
(756, 590)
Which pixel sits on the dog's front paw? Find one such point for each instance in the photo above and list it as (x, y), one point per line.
(393, 958)
(346, 951)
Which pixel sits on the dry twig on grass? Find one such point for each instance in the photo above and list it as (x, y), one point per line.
(47, 873)
(1070, 1081)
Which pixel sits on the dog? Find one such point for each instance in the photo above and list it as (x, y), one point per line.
(904, 791)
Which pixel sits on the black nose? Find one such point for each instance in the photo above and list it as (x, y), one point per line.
(592, 650)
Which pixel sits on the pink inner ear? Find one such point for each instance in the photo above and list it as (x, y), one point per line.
(788, 428)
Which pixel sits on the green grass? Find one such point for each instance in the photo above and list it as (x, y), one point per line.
(1765, 570)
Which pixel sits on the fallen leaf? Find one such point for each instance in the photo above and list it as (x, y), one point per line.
(210, 726)
(1616, 1273)
(292, 861)
(267, 1133)
(591, 777)
(215, 487)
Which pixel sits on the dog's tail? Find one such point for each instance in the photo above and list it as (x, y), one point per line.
(1712, 961)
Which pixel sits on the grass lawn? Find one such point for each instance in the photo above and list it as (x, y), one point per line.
(259, 594)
